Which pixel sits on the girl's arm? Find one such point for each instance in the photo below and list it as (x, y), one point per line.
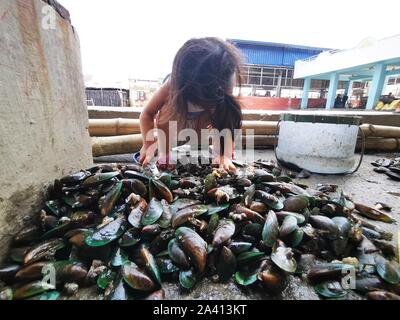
(224, 161)
(147, 123)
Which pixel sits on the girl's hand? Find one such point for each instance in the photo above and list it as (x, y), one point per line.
(224, 163)
(147, 153)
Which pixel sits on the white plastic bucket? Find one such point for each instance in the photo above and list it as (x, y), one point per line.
(318, 143)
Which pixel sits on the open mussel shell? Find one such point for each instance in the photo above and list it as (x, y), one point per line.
(159, 190)
(136, 278)
(31, 290)
(153, 212)
(270, 231)
(270, 200)
(272, 279)
(110, 199)
(283, 258)
(150, 264)
(107, 234)
(373, 213)
(224, 194)
(137, 212)
(226, 264)
(249, 195)
(177, 255)
(136, 186)
(388, 270)
(194, 247)
(182, 216)
(44, 251)
(330, 290)
(119, 258)
(224, 232)
(187, 279)
(240, 213)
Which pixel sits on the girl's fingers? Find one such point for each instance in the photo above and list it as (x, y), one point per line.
(232, 168)
(146, 160)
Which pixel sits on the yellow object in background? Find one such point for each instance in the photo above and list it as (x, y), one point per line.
(379, 106)
(394, 105)
(386, 107)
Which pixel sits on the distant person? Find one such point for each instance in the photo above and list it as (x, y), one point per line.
(344, 101)
(390, 98)
(198, 95)
(338, 101)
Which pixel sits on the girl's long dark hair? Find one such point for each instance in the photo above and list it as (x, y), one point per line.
(202, 74)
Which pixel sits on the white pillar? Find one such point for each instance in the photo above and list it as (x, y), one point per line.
(333, 83)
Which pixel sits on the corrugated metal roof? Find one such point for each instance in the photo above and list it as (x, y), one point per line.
(274, 54)
(276, 44)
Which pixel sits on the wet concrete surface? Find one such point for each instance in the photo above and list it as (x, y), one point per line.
(364, 186)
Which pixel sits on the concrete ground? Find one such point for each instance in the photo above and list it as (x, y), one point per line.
(365, 186)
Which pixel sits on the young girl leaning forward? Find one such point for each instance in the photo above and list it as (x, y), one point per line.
(198, 95)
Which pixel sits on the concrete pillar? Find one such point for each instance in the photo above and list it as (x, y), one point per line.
(378, 81)
(333, 84)
(43, 127)
(306, 90)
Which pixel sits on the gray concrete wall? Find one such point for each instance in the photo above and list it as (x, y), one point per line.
(43, 114)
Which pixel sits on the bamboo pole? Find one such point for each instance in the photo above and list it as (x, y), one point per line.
(103, 146)
(371, 130)
(380, 144)
(113, 127)
(132, 143)
(119, 126)
(260, 127)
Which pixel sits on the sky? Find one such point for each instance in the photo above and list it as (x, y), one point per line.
(122, 39)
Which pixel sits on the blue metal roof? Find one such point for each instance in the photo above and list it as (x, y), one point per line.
(274, 54)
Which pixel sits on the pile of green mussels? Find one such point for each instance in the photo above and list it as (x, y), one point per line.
(129, 231)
